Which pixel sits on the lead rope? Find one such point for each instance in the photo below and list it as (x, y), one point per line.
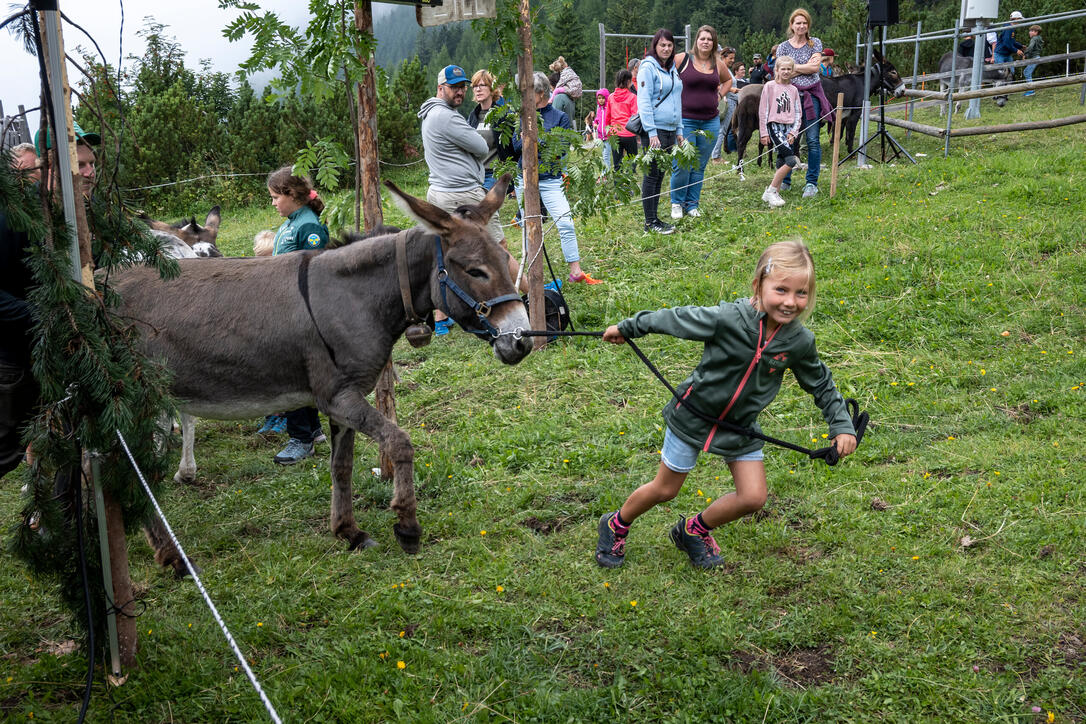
(829, 454)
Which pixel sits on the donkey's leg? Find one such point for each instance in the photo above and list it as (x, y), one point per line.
(186, 471)
(343, 525)
(352, 408)
(166, 554)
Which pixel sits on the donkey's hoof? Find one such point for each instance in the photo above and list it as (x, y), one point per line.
(184, 478)
(361, 540)
(408, 537)
(181, 571)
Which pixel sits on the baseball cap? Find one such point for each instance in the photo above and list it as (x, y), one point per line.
(1016, 15)
(829, 52)
(91, 139)
(452, 75)
(757, 56)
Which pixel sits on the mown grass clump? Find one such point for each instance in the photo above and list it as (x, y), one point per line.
(936, 574)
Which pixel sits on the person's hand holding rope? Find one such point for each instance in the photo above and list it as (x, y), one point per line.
(612, 335)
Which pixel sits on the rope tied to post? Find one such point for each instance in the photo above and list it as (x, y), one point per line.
(828, 454)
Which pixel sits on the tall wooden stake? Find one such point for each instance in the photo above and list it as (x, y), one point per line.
(66, 166)
(368, 161)
(836, 144)
(533, 224)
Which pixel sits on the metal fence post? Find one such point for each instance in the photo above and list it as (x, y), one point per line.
(861, 157)
(603, 57)
(916, 71)
(979, 41)
(950, 91)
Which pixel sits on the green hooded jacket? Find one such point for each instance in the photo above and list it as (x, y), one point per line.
(731, 333)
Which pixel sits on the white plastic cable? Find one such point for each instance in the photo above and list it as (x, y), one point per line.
(203, 592)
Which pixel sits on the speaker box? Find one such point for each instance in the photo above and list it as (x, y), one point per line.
(881, 12)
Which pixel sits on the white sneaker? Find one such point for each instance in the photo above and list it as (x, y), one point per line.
(772, 197)
(676, 211)
(694, 212)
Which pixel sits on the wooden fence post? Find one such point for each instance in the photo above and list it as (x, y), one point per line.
(836, 144)
(533, 224)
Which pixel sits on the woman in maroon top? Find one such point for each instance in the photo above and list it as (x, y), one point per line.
(705, 81)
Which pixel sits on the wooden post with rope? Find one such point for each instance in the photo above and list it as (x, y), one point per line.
(836, 144)
(533, 224)
(384, 394)
(122, 629)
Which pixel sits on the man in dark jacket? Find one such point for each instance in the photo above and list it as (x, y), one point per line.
(18, 389)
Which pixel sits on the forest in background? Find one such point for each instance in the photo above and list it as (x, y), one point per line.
(182, 122)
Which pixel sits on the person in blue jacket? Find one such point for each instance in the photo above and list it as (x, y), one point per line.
(296, 200)
(659, 104)
(1006, 47)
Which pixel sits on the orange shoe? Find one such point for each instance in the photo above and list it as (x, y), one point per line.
(584, 277)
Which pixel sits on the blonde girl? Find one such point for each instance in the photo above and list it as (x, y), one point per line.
(748, 346)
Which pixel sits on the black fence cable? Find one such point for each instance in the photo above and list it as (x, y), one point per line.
(829, 454)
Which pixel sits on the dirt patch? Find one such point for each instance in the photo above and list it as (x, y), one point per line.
(798, 669)
(408, 630)
(1022, 413)
(1072, 649)
(544, 527)
(784, 589)
(798, 554)
(1046, 551)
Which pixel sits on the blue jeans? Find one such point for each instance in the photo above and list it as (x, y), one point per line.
(686, 183)
(1003, 58)
(488, 180)
(554, 198)
(681, 457)
(814, 148)
(725, 127)
(1029, 72)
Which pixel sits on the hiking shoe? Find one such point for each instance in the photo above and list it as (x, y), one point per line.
(810, 190)
(693, 213)
(785, 185)
(611, 548)
(1029, 93)
(554, 286)
(702, 549)
(659, 227)
(273, 424)
(676, 211)
(772, 197)
(320, 438)
(294, 452)
(442, 326)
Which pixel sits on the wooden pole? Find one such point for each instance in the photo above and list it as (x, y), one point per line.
(533, 225)
(384, 394)
(836, 144)
(72, 192)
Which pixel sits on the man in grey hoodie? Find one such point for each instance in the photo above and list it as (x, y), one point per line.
(454, 152)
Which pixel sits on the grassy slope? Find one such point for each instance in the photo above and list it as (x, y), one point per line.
(950, 305)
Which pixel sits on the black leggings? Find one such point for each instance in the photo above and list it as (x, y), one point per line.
(622, 146)
(778, 138)
(654, 179)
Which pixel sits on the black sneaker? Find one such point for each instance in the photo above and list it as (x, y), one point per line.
(659, 227)
(702, 549)
(611, 548)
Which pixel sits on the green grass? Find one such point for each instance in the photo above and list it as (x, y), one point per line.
(950, 303)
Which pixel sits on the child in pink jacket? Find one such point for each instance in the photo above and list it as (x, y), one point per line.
(779, 118)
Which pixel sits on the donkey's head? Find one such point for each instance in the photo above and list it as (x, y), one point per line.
(887, 76)
(200, 238)
(473, 263)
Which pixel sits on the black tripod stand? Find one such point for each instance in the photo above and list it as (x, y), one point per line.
(882, 134)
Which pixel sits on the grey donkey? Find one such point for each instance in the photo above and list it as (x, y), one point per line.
(245, 337)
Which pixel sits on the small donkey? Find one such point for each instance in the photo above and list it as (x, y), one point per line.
(245, 337)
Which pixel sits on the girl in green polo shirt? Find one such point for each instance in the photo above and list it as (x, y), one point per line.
(296, 199)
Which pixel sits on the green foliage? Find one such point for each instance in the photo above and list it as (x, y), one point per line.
(325, 160)
(94, 382)
(398, 101)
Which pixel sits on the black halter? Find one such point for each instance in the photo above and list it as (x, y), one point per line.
(482, 309)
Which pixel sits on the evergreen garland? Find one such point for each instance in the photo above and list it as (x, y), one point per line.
(94, 381)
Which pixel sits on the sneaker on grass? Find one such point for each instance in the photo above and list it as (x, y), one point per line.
(702, 549)
(676, 211)
(810, 190)
(772, 197)
(611, 548)
(659, 227)
(294, 452)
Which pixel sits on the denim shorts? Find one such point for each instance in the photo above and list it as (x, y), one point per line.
(681, 457)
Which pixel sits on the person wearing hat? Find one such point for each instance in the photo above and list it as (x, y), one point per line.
(1006, 47)
(758, 72)
(826, 68)
(454, 153)
(83, 151)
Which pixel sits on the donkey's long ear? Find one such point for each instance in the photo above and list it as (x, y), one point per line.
(214, 218)
(434, 219)
(495, 197)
